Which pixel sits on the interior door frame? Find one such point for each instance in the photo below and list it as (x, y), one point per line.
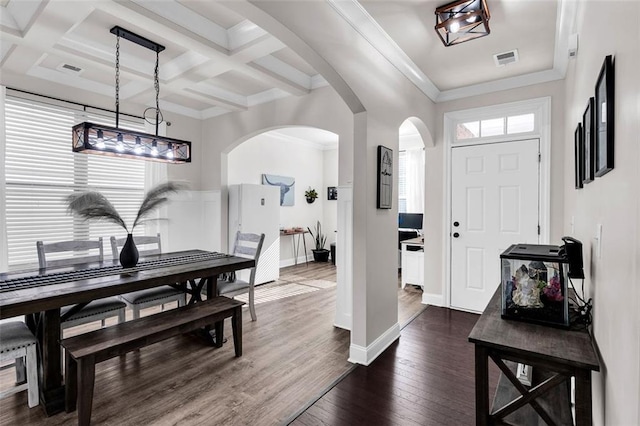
(541, 108)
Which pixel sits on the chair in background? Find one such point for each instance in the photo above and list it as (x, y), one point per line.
(249, 246)
(138, 300)
(99, 309)
(17, 343)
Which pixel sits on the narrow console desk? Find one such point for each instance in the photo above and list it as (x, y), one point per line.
(562, 352)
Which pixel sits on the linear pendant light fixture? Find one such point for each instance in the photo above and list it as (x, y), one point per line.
(94, 138)
(462, 20)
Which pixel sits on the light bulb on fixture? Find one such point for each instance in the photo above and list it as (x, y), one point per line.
(100, 140)
(154, 148)
(454, 27)
(169, 153)
(471, 18)
(120, 145)
(138, 149)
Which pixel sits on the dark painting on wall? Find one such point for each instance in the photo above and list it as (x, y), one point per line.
(604, 117)
(332, 193)
(385, 178)
(588, 141)
(578, 156)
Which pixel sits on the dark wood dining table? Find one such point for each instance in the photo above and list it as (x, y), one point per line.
(40, 293)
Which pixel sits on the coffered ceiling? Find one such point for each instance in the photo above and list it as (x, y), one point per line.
(216, 61)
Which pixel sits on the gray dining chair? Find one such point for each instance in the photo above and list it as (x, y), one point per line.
(249, 246)
(18, 344)
(141, 299)
(92, 251)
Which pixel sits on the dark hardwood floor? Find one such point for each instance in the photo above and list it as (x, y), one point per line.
(424, 378)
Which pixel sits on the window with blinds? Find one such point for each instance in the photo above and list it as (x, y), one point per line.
(41, 171)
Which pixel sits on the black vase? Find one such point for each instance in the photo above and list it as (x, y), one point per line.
(129, 253)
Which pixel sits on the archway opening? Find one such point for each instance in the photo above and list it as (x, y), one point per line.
(297, 160)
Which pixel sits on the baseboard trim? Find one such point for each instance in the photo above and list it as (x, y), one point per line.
(365, 356)
(292, 261)
(433, 299)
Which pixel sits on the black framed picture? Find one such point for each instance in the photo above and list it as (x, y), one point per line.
(604, 118)
(578, 156)
(385, 178)
(332, 193)
(588, 142)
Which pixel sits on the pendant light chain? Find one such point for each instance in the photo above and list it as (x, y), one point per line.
(117, 80)
(156, 83)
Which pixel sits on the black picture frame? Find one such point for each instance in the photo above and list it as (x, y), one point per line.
(384, 198)
(588, 143)
(332, 193)
(604, 118)
(578, 156)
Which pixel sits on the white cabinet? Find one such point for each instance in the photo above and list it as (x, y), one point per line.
(413, 262)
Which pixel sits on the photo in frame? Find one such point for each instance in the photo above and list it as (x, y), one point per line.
(332, 193)
(384, 198)
(578, 156)
(588, 141)
(604, 118)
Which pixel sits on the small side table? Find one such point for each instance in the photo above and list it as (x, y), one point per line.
(296, 244)
(565, 353)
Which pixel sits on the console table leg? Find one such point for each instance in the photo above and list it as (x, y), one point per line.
(583, 398)
(482, 386)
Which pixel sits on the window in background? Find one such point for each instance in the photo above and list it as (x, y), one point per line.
(402, 182)
(41, 171)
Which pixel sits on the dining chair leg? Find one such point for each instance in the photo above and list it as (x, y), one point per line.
(21, 371)
(252, 308)
(32, 376)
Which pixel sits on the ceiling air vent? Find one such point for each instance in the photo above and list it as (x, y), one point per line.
(502, 59)
(69, 69)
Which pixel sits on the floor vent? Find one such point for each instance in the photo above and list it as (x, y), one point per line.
(505, 58)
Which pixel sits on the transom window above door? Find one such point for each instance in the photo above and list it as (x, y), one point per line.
(496, 126)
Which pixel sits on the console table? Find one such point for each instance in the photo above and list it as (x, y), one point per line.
(564, 353)
(296, 247)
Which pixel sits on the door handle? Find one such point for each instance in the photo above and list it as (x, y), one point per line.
(456, 235)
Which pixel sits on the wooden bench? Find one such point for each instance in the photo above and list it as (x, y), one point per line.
(83, 352)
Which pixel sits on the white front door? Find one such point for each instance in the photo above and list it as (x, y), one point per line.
(494, 203)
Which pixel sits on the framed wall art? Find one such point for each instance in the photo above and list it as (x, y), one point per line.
(332, 193)
(287, 187)
(385, 178)
(588, 143)
(604, 118)
(578, 156)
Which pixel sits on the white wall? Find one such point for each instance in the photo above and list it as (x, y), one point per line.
(330, 212)
(609, 28)
(308, 164)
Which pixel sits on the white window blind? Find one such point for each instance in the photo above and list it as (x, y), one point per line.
(41, 171)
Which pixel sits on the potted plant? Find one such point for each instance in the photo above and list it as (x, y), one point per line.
(311, 195)
(92, 205)
(320, 254)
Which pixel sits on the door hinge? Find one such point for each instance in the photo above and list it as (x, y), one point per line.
(539, 157)
(538, 229)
